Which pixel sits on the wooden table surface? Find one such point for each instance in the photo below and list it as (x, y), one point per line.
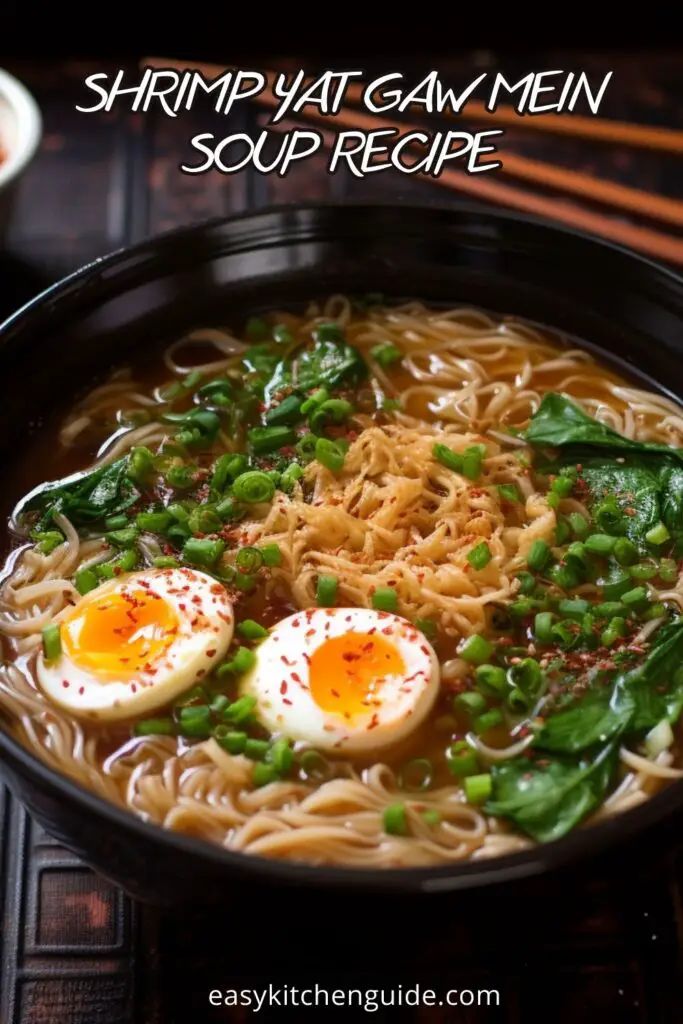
(74, 950)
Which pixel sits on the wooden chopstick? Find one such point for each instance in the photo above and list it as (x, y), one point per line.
(625, 197)
(484, 186)
(586, 186)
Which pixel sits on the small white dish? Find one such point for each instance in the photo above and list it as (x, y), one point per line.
(20, 132)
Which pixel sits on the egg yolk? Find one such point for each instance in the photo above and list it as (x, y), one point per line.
(119, 633)
(346, 672)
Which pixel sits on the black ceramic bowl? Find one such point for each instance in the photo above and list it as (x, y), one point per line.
(625, 307)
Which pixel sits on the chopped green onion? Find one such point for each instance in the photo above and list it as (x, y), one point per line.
(395, 821)
(527, 676)
(471, 702)
(123, 538)
(52, 642)
(329, 454)
(249, 559)
(290, 475)
(251, 630)
(165, 562)
(253, 487)
(658, 534)
(491, 680)
(287, 412)
(625, 551)
(428, 627)
(281, 756)
(240, 709)
(326, 590)
(643, 571)
(668, 570)
(600, 543)
(479, 556)
(256, 749)
(385, 599)
(264, 440)
(527, 583)
(562, 530)
(416, 775)
(478, 788)
(615, 584)
(305, 446)
(154, 522)
(562, 486)
(85, 581)
(608, 609)
(579, 524)
(539, 555)
(609, 516)
(431, 817)
(229, 739)
(202, 551)
(564, 576)
(314, 765)
(462, 760)
(471, 462)
(195, 721)
(140, 465)
(116, 522)
(476, 649)
(203, 519)
(573, 609)
(634, 597)
(262, 774)
(155, 727)
(271, 555)
(489, 720)
(509, 492)
(242, 661)
(386, 355)
(543, 627)
(447, 457)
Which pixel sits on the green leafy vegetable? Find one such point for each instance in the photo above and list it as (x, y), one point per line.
(559, 422)
(548, 796)
(83, 498)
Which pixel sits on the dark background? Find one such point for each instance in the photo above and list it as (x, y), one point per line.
(76, 951)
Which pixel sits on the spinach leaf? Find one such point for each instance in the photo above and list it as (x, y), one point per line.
(84, 497)
(327, 363)
(547, 796)
(656, 685)
(559, 422)
(648, 478)
(597, 717)
(671, 484)
(634, 484)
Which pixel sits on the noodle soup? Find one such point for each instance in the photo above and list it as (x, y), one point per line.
(371, 585)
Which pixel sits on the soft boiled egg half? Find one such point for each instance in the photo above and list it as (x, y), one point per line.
(135, 643)
(344, 679)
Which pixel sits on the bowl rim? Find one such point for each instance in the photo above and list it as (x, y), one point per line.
(441, 878)
(29, 127)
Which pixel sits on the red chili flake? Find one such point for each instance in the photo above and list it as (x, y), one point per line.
(211, 653)
(296, 677)
(65, 684)
(335, 693)
(374, 722)
(81, 691)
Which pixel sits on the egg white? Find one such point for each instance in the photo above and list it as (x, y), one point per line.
(280, 681)
(205, 628)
